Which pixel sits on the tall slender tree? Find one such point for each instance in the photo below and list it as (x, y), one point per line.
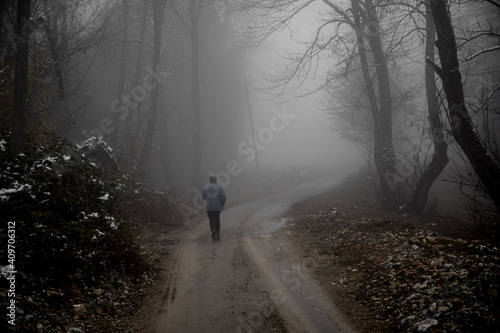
(373, 49)
(21, 77)
(128, 132)
(366, 24)
(195, 7)
(122, 72)
(158, 7)
(440, 159)
(484, 164)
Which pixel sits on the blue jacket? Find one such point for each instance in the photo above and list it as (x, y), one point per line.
(215, 197)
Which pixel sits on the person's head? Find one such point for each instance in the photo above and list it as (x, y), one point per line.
(213, 179)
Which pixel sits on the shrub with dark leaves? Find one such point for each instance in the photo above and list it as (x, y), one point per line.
(65, 213)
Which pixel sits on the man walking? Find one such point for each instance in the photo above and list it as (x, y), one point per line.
(215, 197)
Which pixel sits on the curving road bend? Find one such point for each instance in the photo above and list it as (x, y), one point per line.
(251, 281)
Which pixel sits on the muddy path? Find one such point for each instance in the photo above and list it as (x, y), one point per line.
(251, 281)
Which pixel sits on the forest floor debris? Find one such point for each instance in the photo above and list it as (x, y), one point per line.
(386, 272)
(400, 273)
(45, 306)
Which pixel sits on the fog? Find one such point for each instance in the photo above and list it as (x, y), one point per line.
(292, 132)
(307, 139)
(330, 125)
(245, 93)
(310, 139)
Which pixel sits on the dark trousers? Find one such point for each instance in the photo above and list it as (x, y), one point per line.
(214, 219)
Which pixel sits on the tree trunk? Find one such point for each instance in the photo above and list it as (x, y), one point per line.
(195, 7)
(252, 129)
(21, 78)
(164, 148)
(122, 72)
(128, 137)
(382, 116)
(158, 6)
(363, 58)
(384, 151)
(439, 160)
(64, 27)
(51, 37)
(485, 167)
(7, 42)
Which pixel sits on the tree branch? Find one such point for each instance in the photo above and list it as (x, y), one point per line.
(438, 69)
(493, 2)
(483, 51)
(488, 97)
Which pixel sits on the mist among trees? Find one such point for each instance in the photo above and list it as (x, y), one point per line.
(175, 90)
(114, 113)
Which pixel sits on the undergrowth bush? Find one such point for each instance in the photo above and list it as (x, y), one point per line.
(143, 206)
(67, 214)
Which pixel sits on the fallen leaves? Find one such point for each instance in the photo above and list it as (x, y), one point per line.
(415, 278)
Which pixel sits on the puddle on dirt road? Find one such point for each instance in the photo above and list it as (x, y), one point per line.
(269, 227)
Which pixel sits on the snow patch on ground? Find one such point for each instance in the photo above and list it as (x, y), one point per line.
(104, 197)
(17, 188)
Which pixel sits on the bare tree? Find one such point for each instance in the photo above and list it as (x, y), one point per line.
(158, 7)
(63, 53)
(362, 19)
(195, 7)
(51, 37)
(122, 72)
(440, 159)
(485, 166)
(128, 133)
(21, 77)
(382, 113)
(375, 45)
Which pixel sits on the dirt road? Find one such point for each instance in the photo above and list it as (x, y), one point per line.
(250, 281)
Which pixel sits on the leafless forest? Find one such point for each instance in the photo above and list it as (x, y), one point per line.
(181, 89)
(116, 112)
